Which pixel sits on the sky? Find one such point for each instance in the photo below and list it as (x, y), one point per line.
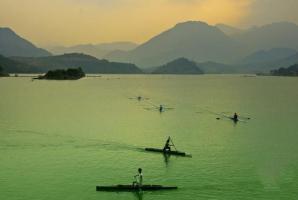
(70, 22)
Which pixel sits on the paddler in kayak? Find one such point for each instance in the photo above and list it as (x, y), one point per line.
(235, 117)
(167, 146)
(160, 108)
(138, 179)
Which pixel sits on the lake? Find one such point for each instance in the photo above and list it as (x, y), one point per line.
(59, 139)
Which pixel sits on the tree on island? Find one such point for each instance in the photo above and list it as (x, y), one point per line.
(290, 71)
(62, 74)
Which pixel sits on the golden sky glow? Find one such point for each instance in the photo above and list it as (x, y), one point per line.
(69, 22)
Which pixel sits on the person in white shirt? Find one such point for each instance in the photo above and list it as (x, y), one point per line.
(167, 146)
(138, 179)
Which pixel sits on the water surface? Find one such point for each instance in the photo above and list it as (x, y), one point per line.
(59, 139)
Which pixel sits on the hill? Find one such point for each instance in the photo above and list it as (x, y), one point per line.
(12, 66)
(179, 66)
(13, 45)
(88, 63)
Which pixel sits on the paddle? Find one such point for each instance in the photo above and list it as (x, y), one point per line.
(173, 144)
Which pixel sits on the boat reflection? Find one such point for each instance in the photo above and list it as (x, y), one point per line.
(138, 195)
(166, 158)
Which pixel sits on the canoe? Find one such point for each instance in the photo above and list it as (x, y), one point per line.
(178, 153)
(131, 188)
(234, 120)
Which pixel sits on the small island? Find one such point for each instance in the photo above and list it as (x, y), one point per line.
(62, 74)
(290, 71)
(2, 73)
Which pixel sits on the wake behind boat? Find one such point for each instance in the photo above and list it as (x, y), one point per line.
(132, 188)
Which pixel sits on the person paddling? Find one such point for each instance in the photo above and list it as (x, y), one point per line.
(160, 108)
(167, 146)
(235, 117)
(138, 179)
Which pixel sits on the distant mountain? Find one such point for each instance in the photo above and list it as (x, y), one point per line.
(291, 60)
(229, 30)
(98, 51)
(276, 35)
(193, 40)
(179, 66)
(88, 63)
(12, 66)
(265, 61)
(269, 56)
(13, 45)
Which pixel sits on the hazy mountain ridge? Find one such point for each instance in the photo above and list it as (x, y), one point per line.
(12, 44)
(265, 61)
(275, 35)
(12, 66)
(202, 43)
(193, 40)
(229, 30)
(97, 50)
(88, 63)
(270, 55)
(258, 49)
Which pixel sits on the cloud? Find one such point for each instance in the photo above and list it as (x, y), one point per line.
(268, 11)
(91, 21)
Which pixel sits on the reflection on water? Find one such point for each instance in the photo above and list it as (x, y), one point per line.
(166, 158)
(138, 195)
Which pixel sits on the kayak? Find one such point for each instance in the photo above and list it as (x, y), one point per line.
(131, 188)
(234, 120)
(177, 153)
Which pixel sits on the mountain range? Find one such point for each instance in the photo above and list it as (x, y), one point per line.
(11, 66)
(98, 50)
(89, 64)
(202, 43)
(265, 61)
(215, 49)
(196, 41)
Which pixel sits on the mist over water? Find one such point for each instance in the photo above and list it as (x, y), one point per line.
(59, 139)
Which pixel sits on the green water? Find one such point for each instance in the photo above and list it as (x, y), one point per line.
(59, 139)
